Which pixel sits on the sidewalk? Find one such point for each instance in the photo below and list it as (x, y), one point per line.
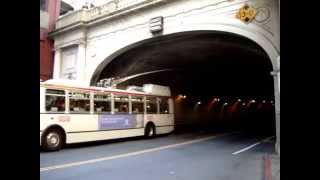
(272, 167)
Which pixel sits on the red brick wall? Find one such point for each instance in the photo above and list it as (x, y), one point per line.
(53, 10)
(46, 44)
(46, 59)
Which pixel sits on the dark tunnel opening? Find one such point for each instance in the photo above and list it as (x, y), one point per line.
(225, 79)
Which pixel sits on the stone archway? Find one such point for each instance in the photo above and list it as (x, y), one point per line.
(263, 42)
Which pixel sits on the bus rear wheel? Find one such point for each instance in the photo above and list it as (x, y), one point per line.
(150, 131)
(53, 140)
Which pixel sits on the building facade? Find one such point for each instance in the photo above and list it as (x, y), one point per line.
(88, 39)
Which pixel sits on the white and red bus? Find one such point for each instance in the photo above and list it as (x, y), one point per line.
(78, 113)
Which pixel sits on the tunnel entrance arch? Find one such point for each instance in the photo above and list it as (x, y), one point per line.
(259, 40)
(210, 50)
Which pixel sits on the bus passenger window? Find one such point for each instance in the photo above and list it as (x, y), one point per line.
(137, 104)
(121, 104)
(164, 106)
(151, 105)
(79, 102)
(102, 103)
(55, 100)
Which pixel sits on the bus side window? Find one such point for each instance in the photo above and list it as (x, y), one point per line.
(121, 104)
(102, 103)
(137, 104)
(79, 102)
(55, 100)
(164, 105)
(152, 105)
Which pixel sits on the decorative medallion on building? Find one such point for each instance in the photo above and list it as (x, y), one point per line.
(246, 13)
(263, 14)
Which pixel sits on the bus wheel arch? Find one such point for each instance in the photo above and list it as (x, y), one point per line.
(53, 138)
(150, 130)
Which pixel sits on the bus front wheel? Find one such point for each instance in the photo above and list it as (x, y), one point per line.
(53, 140)
(150, 131)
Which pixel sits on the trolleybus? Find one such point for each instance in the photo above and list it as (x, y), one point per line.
(74, 113)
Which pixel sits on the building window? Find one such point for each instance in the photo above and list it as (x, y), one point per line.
(69, 62)
(55, 100)
(43, 5)
(70, 75)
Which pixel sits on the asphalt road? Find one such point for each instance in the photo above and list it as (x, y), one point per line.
(186, 156)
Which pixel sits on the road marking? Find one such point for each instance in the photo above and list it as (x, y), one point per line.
(251, 146)
(129, 154)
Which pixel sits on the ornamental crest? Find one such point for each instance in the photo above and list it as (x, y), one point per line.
(246, 13)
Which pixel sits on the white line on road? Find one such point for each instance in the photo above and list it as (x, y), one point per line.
(251, 146)
(128, 154)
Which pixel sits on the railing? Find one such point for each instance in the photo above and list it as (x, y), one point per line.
(85, 15)
(71, 18)
(127, 3)
(104, 9)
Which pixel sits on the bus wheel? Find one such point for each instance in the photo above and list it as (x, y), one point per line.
(53, 140)
(150, 131)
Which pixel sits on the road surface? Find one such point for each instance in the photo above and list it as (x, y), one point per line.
(184, 156)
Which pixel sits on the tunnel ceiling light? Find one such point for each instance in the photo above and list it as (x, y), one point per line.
(199, 102)
(253, 101)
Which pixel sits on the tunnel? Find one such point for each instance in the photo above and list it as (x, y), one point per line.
(220, 81)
